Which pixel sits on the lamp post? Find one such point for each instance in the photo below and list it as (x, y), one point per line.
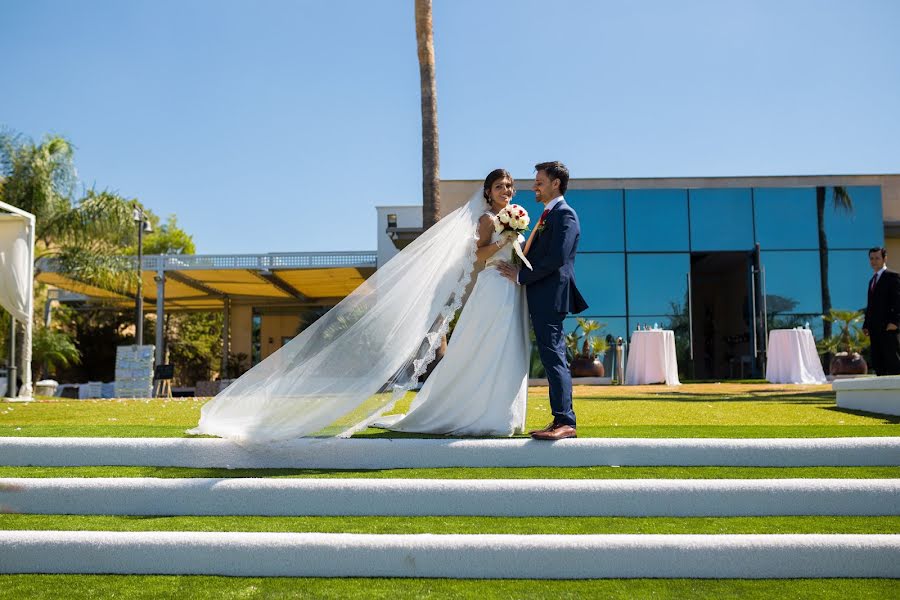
(143, 226)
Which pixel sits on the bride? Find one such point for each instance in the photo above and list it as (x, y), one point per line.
(480, 386)
(350, 367)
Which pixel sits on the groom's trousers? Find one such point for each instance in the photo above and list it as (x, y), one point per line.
(551, 343)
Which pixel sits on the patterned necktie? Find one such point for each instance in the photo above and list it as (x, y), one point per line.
(543, 216)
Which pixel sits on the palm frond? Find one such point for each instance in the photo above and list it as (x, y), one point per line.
(39, 178)
(841, 199)
(108, 271)
(103, 217)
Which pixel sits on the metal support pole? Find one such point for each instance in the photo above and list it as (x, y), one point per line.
(12, 370)
(139, 300)
(160, 317)
(226, 336)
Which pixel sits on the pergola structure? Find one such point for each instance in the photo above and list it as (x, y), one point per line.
(178, 283)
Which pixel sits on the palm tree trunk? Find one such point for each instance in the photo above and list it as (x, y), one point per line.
(431, 202)
(823, 268)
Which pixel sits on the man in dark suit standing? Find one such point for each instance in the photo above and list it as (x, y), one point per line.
(551, 291)
(882, 323)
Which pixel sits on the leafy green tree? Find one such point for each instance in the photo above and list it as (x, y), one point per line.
(51, 349)
(87, 235)
(195, 346)
(167, 238)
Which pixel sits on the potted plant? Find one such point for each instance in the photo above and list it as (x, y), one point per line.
(846, 343)
(586, 349)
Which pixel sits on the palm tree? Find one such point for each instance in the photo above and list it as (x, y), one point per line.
(41, 178)
(88, 235)
(431, 201)
(841, 200)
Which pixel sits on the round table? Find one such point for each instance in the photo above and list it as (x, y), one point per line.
(792, 357)
(651, 358)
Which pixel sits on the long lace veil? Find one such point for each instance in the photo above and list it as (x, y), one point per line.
(354, 363)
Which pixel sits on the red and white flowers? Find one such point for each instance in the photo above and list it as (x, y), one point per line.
(512, 218)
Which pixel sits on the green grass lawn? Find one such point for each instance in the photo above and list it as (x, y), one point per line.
(465, 525)
(700, 410)
(91, 587)
(696, 410)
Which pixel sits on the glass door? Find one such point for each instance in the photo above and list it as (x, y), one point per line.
(721, 314)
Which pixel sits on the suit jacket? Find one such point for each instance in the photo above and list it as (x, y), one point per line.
(550, 286)
(883, 306)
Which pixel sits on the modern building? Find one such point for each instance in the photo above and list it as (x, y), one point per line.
(721, 260)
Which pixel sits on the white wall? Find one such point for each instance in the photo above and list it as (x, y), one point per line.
(407, 216)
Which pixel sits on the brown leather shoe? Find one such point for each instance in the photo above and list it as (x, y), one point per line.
(560, 432)
(549, 427)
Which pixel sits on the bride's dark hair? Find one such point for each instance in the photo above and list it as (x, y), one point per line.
(491, 178)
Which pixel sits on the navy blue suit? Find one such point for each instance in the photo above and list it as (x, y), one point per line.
(552, 294)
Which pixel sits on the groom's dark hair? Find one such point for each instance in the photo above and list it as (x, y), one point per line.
(555, 170)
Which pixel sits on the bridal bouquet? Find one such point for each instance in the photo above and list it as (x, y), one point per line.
(513, 221)
(512, 218)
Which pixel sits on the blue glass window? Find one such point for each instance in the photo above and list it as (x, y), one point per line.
(793, 284)
(525, 199)
(721, 219)
(657, 283)
(861, 228)
(600, 213)
(601, 280)
(786, 218)
(848, 278)
(816, 324)
(656, 220)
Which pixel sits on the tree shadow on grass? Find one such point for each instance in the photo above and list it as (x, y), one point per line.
(218, 473)
(771, 397)
(885, 419)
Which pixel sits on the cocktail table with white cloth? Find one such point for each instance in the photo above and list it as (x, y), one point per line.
(651, 358)
(792, 357)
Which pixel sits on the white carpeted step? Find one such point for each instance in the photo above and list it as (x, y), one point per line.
(472, 497)
(454, 556)
(411, 453)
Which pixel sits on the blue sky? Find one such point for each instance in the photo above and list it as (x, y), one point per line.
(276, 125)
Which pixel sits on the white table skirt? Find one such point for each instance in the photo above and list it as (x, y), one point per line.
(792, 357)
(651, 358)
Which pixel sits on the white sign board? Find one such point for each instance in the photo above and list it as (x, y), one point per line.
(134, 371)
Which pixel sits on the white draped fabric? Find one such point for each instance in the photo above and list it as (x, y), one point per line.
(354, 363)
(17, 276)
(651, 358)
(792, 357)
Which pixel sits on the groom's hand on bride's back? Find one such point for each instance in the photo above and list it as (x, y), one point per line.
(509, 271)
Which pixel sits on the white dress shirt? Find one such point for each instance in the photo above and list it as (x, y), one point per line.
(547, 207)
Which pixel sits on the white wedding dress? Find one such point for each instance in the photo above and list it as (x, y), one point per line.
(480, 387)
(353, 364)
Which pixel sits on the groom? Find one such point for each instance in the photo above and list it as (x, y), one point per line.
(551, 290)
